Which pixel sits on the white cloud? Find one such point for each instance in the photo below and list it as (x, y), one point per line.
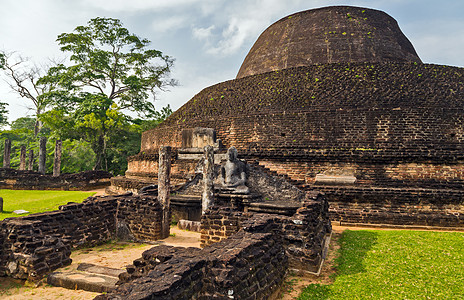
(241, 22)
(140, 5)
(203, 34)
(169, 24)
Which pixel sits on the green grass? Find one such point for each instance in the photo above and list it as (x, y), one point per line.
(37, 201)
(375, 264)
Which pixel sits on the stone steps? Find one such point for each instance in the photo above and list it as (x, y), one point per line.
(87, 277)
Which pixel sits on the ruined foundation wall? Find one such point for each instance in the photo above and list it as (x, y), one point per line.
(404, 207)
(35, 245)
(245, 256)
(245, 266)
(30, 180)
(303, 234)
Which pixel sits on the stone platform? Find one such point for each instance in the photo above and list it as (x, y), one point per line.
(88, 277)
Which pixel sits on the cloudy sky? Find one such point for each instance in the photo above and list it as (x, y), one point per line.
(208, 38)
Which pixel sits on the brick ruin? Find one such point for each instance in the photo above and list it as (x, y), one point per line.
(382, 138)
(31, 180)
(244, 254)
(22, 179)
(327, 35)
(35, 245)
(248, 246)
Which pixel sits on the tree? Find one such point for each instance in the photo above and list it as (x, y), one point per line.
(2, 60)
(23, 78)
(111, 73)
(3, 112)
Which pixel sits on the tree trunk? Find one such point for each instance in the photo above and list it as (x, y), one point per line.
(57, 161)
(99, 149)
(42, 154)
(38, 123)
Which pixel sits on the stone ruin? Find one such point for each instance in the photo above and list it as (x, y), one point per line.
(355, 115)
(29, 179)
(245, 253)
(336, 100)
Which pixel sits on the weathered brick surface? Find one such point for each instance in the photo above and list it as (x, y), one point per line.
(302, 234)
(30, 180)
(402, 206)
(245, 266)
(245, 256)
(328, 35)
(389, 125)
(399, 110)
(35, 245)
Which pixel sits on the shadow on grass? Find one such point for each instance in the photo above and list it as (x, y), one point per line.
(354, 246)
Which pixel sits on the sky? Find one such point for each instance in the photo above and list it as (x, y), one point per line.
(208, 38)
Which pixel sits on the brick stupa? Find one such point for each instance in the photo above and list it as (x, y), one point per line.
(336, 99)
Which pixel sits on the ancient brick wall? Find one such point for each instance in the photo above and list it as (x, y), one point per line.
(35, 245)
(145, 167)
(245, 256)
(245, 266)
(30, 180)
(377, 106)
(303, 234)
(401, 206)
(369, 173)
(143, 216)
(40, 243)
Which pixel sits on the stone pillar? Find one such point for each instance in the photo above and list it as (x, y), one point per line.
(1, 204)
(7, 154)
(30, 163)
(207, 198)
(164, 188)
(42, 154)
(22, 158)
(57, 161)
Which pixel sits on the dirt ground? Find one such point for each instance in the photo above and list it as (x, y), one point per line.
(114, 255)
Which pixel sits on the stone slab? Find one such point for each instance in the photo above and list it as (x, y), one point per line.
(335, 179)
(197, 156)
(91, 268)
(83, 281)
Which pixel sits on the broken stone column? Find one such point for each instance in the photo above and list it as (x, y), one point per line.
(164, 188)
(30, 163)
(42, 154)
(57, 161)
(22, 158)
(7, 154)
(207, 198)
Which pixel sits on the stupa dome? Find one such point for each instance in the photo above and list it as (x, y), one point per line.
(336, 34)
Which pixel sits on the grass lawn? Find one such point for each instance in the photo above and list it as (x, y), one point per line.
(380, 264)
(37, 201)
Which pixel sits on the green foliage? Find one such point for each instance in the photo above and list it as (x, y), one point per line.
(381, 264)
(112, 72)
(2, 60)
(3, 112)
(37, 201)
